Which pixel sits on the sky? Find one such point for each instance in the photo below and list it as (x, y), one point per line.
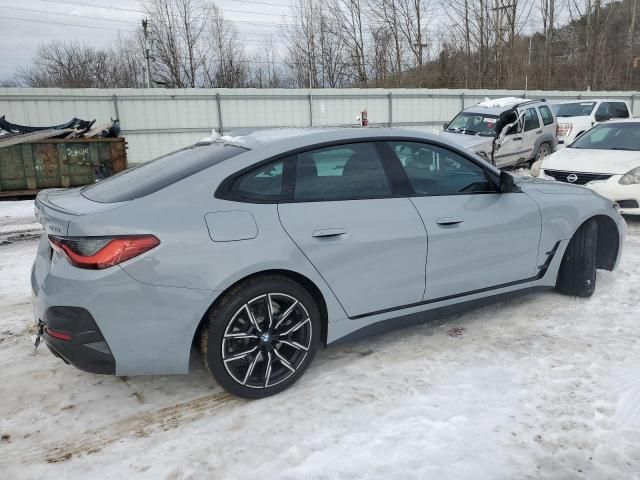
(28, 23)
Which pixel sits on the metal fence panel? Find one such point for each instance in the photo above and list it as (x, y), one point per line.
(157, 121)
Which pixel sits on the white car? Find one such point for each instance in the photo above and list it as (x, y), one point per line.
(578, 116)
(605, 159)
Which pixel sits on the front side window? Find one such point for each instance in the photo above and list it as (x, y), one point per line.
(604, 110)
(531, 120)
(434, 170)
(547, 116)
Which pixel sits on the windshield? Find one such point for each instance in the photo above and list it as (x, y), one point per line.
(610, 136)
(157, 174)
(473, 124)
(578, 109)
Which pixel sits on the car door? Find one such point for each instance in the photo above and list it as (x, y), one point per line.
(530, 132)
(368, 244)
(510, 147)
(478, 238)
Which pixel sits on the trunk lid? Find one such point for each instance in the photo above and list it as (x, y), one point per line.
(56, 208)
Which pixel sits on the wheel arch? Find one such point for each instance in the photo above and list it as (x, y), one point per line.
(608, 243)
(302, 280)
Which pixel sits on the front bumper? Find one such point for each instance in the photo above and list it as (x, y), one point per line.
(627, 196)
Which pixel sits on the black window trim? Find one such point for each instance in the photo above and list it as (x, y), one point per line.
(398, 181)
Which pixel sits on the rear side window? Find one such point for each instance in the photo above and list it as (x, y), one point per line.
(264, 183)
(547, 116)
(531, 120)
(157, 174)
(340, 172)
(619, 110)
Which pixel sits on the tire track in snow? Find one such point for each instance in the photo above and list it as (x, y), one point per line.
(138, 426)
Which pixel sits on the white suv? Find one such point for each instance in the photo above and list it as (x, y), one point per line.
(578, 116)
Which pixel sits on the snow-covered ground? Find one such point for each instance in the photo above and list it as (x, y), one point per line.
(540, 387)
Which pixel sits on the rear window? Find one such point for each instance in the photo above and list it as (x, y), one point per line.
(577, 109)
(157, 174)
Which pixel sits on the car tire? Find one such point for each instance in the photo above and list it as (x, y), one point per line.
(544, 150)
(577, 275)
(279, 349)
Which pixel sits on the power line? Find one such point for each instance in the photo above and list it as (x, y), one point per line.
(109, 7)
(68, 14)
(249, 40)
(51, 22)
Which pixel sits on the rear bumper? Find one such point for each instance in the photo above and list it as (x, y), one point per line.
(146, 329)
(83, 345)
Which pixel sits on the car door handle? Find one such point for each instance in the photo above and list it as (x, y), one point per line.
(449, 220)
(517, 138)
(538, 132)
(329, 232)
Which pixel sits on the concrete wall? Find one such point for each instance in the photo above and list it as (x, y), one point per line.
(157, 121)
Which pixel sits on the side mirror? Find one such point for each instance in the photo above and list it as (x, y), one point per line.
(603, 117)
(507, 184)
(445, 125)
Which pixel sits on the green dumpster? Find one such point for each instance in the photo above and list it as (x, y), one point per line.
(26, 168)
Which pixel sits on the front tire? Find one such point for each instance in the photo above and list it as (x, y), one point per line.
(577, 275)
(544, 150)
(261, 336)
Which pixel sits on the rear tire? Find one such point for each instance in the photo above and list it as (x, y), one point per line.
(577, 275)
(253, 351)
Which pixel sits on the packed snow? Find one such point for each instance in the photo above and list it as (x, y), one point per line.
(539, 387)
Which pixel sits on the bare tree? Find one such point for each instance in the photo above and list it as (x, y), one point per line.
(225, 63)
(386, 29)
(77, 65)
(317, 54)
(177, 28)
(346, 21)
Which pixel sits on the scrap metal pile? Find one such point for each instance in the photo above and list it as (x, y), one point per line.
(13, 134)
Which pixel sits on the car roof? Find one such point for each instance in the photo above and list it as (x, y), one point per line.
(589, 100)
(314, 135)
(497, 106)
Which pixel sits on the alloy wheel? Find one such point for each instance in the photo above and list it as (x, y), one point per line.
(266, 340)
(543, 152)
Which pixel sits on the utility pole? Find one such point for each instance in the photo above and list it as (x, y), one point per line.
(145, 31)
(526, 76)
(502, 11)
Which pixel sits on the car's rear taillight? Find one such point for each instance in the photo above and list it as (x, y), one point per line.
(563, 129)
(97, 253)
